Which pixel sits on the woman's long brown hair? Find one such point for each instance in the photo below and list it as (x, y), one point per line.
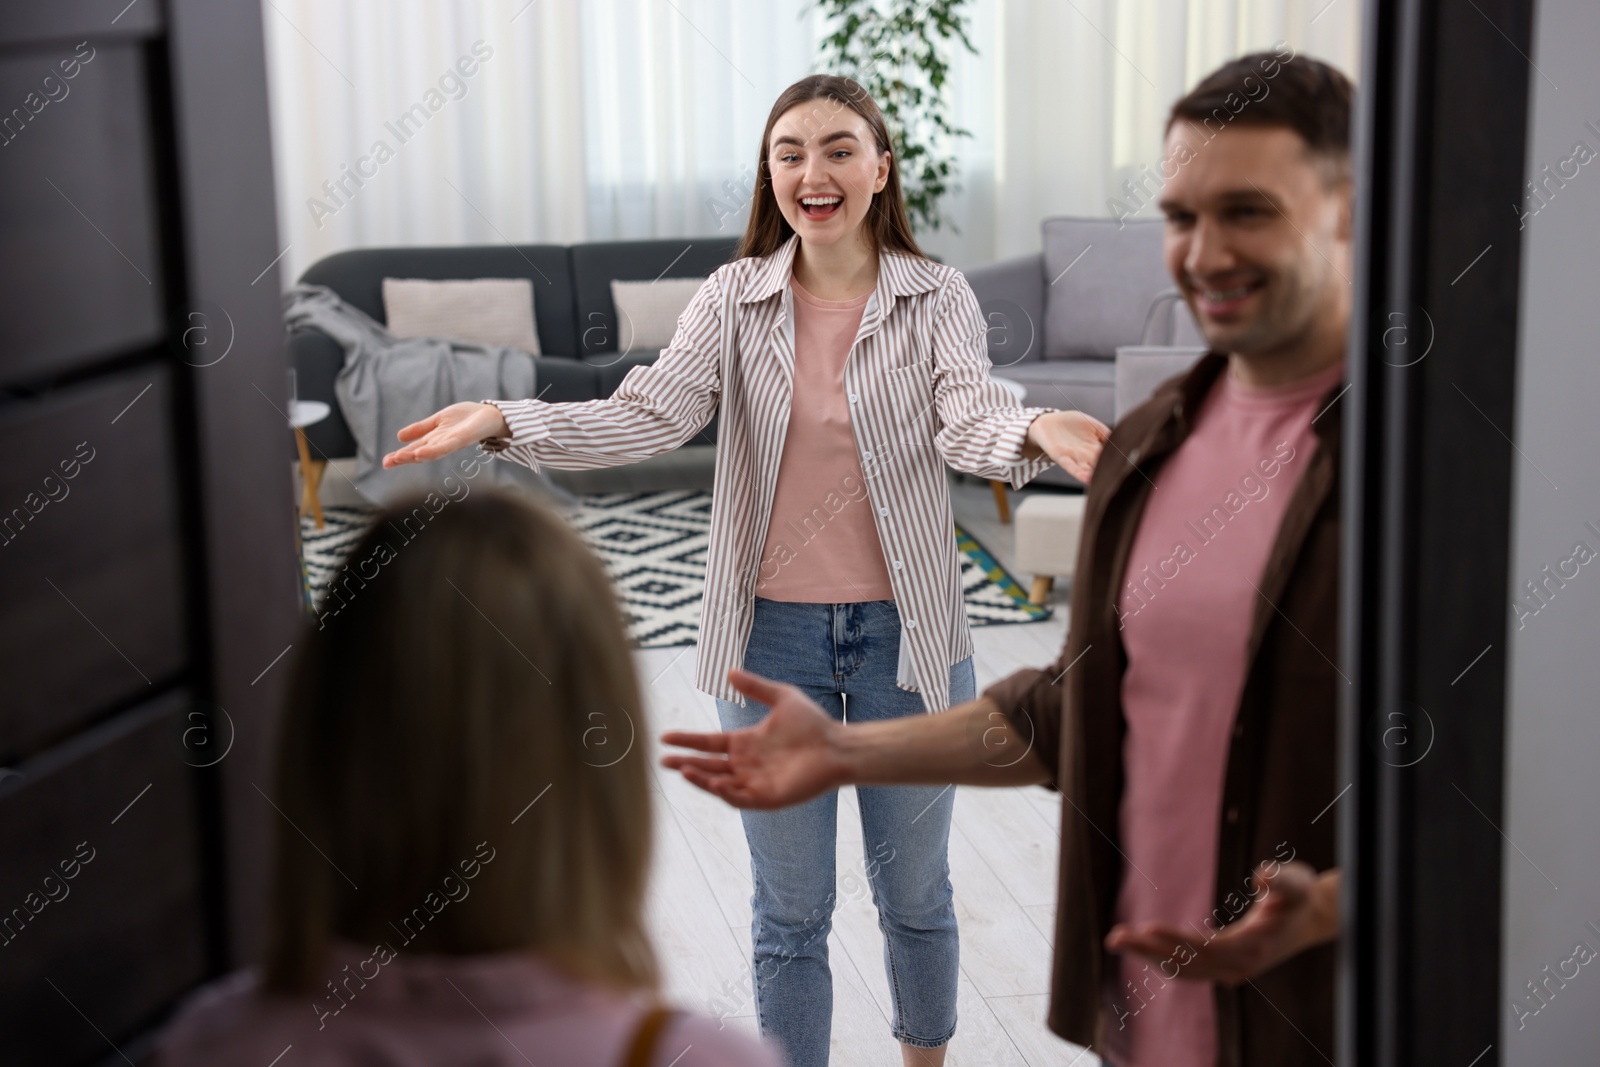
(464, 746)
(887, 224)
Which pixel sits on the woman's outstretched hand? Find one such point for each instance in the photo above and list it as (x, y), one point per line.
(446, 430)
(1071, 438)
(787, 758)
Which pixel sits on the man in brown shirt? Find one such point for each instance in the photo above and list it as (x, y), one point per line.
(1258, 206)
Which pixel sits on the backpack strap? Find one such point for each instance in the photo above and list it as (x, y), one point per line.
(645, 1037)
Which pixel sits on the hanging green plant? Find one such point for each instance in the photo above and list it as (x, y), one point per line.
(899, 51)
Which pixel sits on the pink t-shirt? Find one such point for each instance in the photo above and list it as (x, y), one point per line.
(822, 546)
(500, 1010)
(1186, 608)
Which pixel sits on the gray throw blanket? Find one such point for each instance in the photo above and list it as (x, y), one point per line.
(387, 383)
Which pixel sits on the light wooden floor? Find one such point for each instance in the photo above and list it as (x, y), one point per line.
(1003, 850)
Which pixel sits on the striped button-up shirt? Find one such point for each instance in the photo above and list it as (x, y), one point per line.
(917, 379)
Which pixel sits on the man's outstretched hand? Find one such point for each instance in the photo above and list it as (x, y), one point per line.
(787, 758)
(1296, 908)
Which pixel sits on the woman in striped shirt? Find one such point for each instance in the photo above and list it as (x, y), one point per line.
(847, 371)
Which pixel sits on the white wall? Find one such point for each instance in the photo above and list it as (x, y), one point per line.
(1552, 812)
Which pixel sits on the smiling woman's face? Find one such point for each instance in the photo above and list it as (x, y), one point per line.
(825, 169)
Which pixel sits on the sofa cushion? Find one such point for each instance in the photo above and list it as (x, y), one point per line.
(487, 311)
(648, 312)
(597, 264)
(357, 276)
(1100, 276)
(1087, 385)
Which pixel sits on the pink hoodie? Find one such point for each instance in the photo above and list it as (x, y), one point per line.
(388, 1010)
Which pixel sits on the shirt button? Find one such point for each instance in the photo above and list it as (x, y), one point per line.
(854, 398)
(883, 511)
(911, 624)
(866, 455)
(898, 565)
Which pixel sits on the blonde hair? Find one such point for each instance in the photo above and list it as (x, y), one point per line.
(473, 695)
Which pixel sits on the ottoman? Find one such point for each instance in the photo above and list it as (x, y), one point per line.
(1047, 528)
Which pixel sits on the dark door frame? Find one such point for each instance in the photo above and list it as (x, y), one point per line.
(1428, 461)
(248, 597)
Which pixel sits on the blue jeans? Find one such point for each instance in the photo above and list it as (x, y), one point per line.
(844, 657)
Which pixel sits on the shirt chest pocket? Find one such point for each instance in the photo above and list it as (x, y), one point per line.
(909, 393)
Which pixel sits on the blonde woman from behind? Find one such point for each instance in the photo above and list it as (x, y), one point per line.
(466, 821)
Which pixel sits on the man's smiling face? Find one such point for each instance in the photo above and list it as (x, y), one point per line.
(1257, 237)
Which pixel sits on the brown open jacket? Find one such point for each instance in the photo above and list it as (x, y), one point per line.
(1282, 758)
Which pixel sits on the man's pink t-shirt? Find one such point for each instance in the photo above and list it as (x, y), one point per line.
(1186, 607)
(822, 546)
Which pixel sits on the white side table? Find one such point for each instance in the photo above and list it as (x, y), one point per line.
(1002, 502)
(303, 413)
(1049, 526)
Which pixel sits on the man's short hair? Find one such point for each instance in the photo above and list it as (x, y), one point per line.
(1303, 94)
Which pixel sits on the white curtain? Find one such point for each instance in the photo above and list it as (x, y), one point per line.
(402, 122)
(1082, 90)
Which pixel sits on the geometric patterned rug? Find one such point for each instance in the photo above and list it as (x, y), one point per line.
(653, 546)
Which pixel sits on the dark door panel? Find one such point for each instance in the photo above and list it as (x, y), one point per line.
(100, 891)
(81, 277)
(90, 570)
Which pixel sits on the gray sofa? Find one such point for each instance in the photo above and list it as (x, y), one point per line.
(573, 314)
(1058, 318)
